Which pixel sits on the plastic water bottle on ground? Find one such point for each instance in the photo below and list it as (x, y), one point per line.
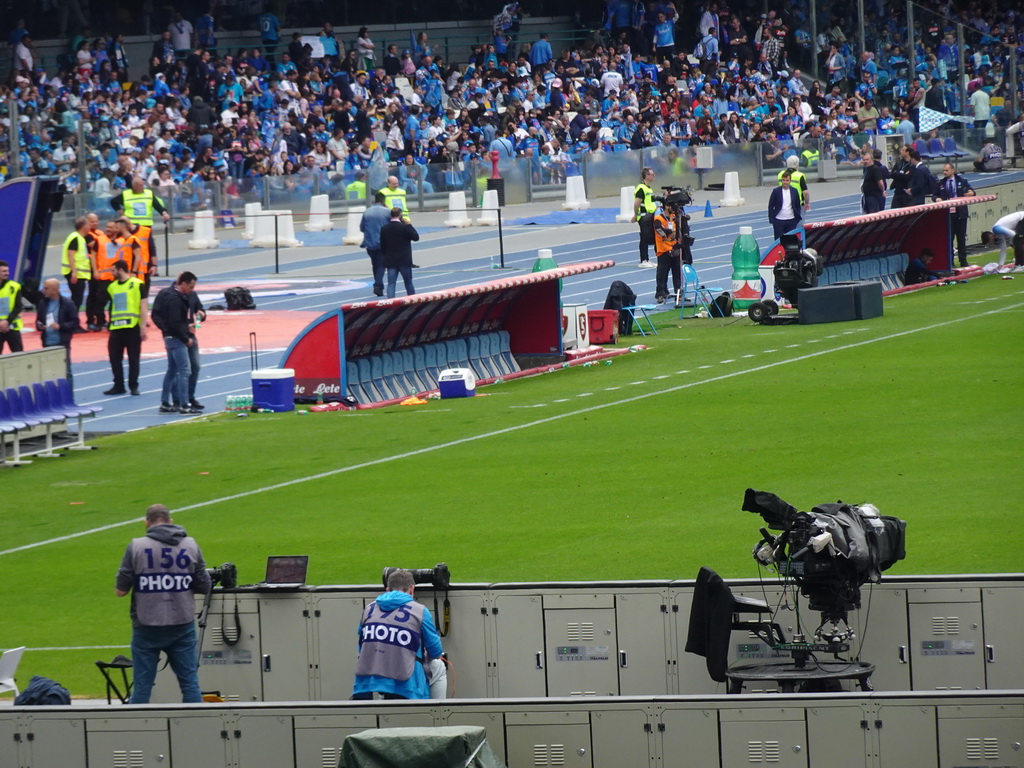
(746, 258)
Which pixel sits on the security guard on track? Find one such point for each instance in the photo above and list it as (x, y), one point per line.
(137, 205)
(799, 181)
(75, 264)
(128, 310)
(10, 310)
(643, 213)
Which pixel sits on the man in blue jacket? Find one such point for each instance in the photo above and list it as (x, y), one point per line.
(374, 219)
(397, 637)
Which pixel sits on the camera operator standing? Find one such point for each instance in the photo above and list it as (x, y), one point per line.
(672, 245)
(162, 570)
(644, 207)
(397, 640)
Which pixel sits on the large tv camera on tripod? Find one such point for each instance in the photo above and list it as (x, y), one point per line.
(829, 552)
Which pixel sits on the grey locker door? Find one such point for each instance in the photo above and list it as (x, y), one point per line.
(466, 644)
(688, 737)
(883, 636)
(1004, 652)
(581, 645)
(836, 737)
(56, 740)
(520, 661)
(642, 654)
(284, 651)
(621, 737)
(755, 736)
(906, 735)
(319, 738)
(981, 735)
(492, 722)
(262, 740)
(337, 643)
(548, 738)
(136, 743)
(947, 645)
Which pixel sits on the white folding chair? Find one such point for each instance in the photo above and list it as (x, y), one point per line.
(8, 666)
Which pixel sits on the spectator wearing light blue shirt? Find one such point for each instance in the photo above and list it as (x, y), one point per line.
(540, 52)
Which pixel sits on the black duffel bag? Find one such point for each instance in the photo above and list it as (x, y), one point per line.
(238, 298)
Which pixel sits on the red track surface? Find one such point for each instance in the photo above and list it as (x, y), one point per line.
(222, 332)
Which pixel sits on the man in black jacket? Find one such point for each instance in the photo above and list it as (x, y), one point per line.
(396, 239)
(171, 314)
(951, 186)
(56, 319)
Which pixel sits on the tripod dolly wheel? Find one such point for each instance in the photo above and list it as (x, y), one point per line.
(758, 311)
(771, 306)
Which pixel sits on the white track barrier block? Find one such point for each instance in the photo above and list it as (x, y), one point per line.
(489, 215)
(625, 205)
(203, 235)
(732, 190)
(265, 234)
(575, 195)
(352, 234)
(319, 214)
(252, 210)
(458, 216)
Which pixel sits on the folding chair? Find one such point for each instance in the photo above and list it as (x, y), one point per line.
(122, 663)
(8, 666)
(701, 294)
(640, 310)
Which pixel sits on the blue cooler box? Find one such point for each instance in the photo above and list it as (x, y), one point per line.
(456, 382)
(274, 389)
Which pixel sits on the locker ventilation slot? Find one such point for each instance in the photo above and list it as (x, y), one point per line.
(579, 631)
(762, 751)
(330, 757)
(549, 754)
(945, 625)
(128, 759)
(218, 635)
(982, 749)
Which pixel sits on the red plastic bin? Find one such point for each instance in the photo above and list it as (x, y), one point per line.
(604, 326)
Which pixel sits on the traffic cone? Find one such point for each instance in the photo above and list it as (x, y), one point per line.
(707, 210)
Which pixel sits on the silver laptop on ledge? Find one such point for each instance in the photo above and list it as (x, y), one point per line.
(285, 572)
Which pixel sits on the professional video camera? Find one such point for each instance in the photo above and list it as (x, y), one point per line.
(798, 268)
(226, 576)
(439, 577)
(830, 552)
(675, 196)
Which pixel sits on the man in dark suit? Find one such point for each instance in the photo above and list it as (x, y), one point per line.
(922, 182)
(954, 185)
(56, 319)
(784, 211)
(396, 239)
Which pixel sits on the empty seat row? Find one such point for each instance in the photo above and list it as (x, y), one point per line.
(406, 372)
(46, 404)
(888, 270)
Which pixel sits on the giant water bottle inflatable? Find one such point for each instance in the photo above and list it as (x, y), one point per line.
(746, 281)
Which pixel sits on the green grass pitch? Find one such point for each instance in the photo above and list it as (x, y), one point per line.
(634, 470)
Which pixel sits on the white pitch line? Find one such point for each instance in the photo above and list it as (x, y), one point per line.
(509, 430)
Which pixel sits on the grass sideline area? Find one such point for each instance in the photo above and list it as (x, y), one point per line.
(634, 470)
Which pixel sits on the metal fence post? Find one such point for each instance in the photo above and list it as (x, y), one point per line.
(277, 247)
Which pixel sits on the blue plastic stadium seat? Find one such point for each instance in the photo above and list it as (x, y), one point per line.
(394, 374)
(366, 380)
(380, 380)
(477, 357)
(458, 353)
(354, 385)
(842, 272)
(430, 363)
(491, 370)
(419, 360)
(412, 373)
(509, 363)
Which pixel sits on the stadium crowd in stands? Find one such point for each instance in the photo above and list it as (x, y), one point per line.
(196, 113)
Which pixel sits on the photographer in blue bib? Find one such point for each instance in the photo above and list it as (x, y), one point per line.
(399, 646)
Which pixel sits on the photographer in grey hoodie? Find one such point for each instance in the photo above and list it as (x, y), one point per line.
(162, 570)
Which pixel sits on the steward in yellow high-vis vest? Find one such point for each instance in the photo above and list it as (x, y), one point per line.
(643, 214)
(395, 194)
(128, 308)
(10, 310)
(74, 261)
